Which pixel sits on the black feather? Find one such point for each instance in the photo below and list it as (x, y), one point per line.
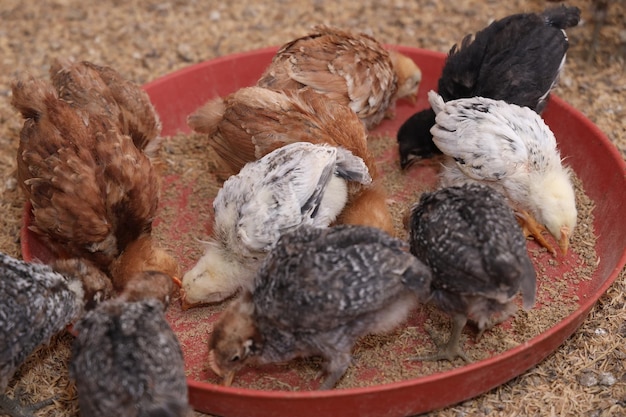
(516, 59)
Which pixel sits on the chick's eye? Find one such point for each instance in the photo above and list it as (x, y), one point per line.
(235, 358)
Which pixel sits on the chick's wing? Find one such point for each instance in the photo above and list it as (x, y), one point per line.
(338, 280)
(484, 144)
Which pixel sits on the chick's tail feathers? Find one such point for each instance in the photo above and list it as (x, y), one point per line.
(29, 97)
(562, 17)
(436, 101)
(206, 118)
(352, 167)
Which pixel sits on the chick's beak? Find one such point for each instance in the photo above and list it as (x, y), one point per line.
(564, 240)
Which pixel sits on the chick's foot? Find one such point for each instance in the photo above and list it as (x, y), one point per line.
(450, 350)
(16, 407)
(530, 227)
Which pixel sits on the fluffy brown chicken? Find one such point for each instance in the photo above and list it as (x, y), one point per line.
(254, 121)
(351, 68)
(147, 285)
(94, 192)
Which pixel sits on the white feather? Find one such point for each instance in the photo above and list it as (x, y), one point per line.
(509, 148)
(300, 183)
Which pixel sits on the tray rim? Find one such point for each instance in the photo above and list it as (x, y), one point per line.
(206, 397)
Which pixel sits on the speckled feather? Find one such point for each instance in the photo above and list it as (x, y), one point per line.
(127, 361)
(280, 192)
(516, 59)
(468, 235)
(299, 183)
(345, 274)
(509, 148)
(493, 140)
(351, 68)
(317, 292)
(37, 302)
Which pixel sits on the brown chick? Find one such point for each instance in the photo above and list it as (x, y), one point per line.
(353, 69)
(254, 121)
(147, 285)
(102, 90)
(94, 193)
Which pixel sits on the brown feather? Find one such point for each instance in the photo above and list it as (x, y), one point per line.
(353, 69)
(255, 121)
(102, 90)
(94, 192)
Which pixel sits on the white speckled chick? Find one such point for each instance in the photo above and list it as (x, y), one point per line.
(297, 184)
(37, 303)
(517, 59)
(511, 149)
(127, 361)
(317, 292)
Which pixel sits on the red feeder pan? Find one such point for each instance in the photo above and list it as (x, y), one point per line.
(592, 156)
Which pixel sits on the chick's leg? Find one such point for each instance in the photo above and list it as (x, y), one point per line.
(530, 227)
(17, 408)
(336, 366)
(452, 349)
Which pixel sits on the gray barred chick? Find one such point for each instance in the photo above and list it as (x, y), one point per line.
(317, 292)
(38, 301)
(127, 361)
(470, 239)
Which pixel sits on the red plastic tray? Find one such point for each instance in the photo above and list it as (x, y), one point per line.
(592, 156)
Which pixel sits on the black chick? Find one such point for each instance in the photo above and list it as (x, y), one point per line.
(517, 59)
(127, 361)
(317, 292)
(470, 238)
(38, 301)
